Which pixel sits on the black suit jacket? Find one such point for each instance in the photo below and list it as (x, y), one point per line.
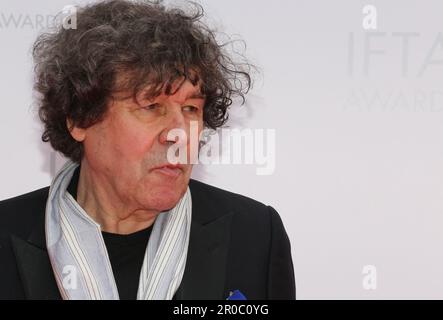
(235, 243)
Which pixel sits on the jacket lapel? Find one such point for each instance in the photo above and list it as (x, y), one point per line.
(34, 266)
(204, 276)
(205, 271)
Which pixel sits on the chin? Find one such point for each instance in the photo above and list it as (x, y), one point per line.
(161, 192)
(163, 197)
(165, 203)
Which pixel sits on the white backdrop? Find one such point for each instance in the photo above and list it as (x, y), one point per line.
(358, 119)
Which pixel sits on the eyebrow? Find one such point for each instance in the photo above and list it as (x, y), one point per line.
(197, 96)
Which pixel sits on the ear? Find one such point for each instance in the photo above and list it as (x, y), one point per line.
(77, 133)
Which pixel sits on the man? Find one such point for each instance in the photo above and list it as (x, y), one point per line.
(120, 219)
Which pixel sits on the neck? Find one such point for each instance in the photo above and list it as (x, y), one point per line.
(100, 200)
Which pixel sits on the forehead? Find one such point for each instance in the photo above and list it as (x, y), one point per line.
(126, 78)
(180, 88)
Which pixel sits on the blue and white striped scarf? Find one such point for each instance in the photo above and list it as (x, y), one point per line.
(79, 257)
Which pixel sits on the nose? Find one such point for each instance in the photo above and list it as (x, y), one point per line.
(175, 129)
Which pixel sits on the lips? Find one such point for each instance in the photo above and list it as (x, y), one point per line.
(170, 170)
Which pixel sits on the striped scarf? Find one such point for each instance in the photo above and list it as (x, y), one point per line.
(79, 258)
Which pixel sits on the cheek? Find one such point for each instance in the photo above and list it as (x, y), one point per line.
(121, 139)
(132, 143)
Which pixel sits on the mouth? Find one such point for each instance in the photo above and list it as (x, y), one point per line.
(170, 170)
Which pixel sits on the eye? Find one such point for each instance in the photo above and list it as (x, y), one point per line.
(191, 109)
(151, 106)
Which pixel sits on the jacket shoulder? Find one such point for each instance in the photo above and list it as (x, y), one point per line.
(209, 196)
(19, 214)
(222, 195)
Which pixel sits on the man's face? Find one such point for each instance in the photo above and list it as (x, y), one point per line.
(126, 149)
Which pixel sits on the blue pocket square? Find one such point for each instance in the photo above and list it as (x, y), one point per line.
(236, 295)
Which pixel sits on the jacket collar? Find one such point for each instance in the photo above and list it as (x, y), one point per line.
(204, 275)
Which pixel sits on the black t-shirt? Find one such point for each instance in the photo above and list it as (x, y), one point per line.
(126, 253)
